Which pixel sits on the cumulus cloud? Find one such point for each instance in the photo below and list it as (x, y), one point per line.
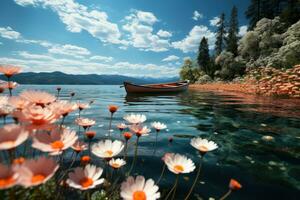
(78, 17)
(197, 15)
(9, 33)
(163, 33)
(171, 58)
(139, 24)
(214, 21)
(191, 42)
(243, 30)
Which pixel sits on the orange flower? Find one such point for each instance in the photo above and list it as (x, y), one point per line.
(85, 160)
(8, 177)
(9, 70)
(234, 184)
(18, 161)
(113, 108)
(127, 135)
(82, 106)
(90, 134)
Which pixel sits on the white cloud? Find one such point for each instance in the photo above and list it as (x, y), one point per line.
(147, 17)
(139, 25)
(214, 21)
(197, 15)
(9, 33)
(243, 30)
(191, 42)
(163, 33)
(70, 50)
(47, 63)
(78, 17)
(102, 58)
(170, 58)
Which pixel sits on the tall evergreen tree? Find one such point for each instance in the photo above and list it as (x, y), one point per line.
(290, 12)
(253, 13)
(203, 58)
(232, 38)
(220, 38)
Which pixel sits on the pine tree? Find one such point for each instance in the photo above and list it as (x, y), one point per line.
(253, 13)
(220, 35)
(290, 12)
(203, 58)
(232, 38)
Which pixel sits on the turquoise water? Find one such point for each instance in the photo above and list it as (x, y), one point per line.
(266, 169)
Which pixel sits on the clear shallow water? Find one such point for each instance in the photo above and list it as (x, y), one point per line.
(267, 170)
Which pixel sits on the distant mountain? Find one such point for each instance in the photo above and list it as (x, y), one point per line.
(49, 78)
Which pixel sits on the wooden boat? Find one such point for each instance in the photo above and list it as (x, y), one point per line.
(157, 88)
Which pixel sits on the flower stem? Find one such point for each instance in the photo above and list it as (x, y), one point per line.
(135, 154)
(161, 175)
(195, 181)
(226, 195)
(155, 144)
(125, 149)
(110, 121)
(173, 188)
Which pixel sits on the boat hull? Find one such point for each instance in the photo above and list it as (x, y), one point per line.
(156, 88)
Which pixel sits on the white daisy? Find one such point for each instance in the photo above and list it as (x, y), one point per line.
(85, 178)
(203, 145)
(179, 164)
(139, 189)
(135, 118)
(158, 126)
(107, 148)
(117, 163)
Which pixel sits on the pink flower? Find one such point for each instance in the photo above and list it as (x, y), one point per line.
(10, 70)
(18, 102)
(8, 177)
(121, 126)
(56, 142)
(11, 136)
(38, 97)
(37, 116)
(140, 130)
(35, 172)
(79, 146)
(85, 178)
(63, 107)
(85, 122)
(82, 106)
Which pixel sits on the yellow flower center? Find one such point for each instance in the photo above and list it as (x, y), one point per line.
(37, 178)
(86, 182)
(57, 144)
(109, 153)
(6, 181)
(178, 168)
(115, 165)
(139, 195)
(203, 148)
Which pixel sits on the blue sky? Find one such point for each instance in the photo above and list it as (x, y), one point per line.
(127, 37)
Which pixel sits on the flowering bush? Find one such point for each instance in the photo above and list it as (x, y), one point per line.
(35, 149)
(276, 82)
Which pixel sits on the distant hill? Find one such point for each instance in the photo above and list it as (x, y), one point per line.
(49, 78)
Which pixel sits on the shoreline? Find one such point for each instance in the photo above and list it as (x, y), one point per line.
(244, 88)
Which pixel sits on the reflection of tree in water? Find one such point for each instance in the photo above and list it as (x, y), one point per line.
(238, 123)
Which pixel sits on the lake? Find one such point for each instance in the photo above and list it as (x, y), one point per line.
(267, 169)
